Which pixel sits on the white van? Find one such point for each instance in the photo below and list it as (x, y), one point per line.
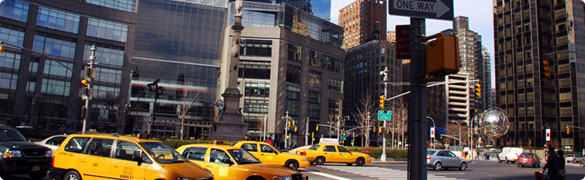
(510, 154)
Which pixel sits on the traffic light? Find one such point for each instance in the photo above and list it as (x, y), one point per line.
(546, 68)
(547, 134)
(317, 128)
(381, 129)
(442, 56)
(1, 48)
(85, 81)
(381, 102)
(568, 130)
(295, 128)
(288, 124)
(478, 91)
(313, 135)
(293, 123)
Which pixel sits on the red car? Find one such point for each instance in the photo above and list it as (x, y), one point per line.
(528, 159)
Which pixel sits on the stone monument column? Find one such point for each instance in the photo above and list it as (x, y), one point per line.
(230, 124)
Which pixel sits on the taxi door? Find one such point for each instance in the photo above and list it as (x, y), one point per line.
(330, 153)
(269, 155)
(69, 156)
(252, 148)
(124, 164)
(221, 165)
(96, 163)
(344, 155)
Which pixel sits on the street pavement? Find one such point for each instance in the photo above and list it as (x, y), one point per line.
(478, 170)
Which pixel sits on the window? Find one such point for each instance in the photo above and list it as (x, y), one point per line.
(219, 156)
(10, 60)
(56, 141)
(292, 93)
(329, 149)
(14, 9)
(342, 149)
(255, 106)
(292, 107)
(59, 20)
(258, 19)
(266, 149)
(8, 81)
(124, 5)
(105, 55)
(250, 147)
(107, 29)
(316, 59)
(335, 85)
(75, 144)
(250, 47)
(12, 36)
(127, 151)
(254, 71)
(293, 74)
(55, 87)
(99, 147)
(314, 147)
(257, 89)
(314, 80)
(195, 153)
(294, 53)
(314, 97)
(314, 111)
(107, 75)
(52, 46)
(105, 92)
(57, 68)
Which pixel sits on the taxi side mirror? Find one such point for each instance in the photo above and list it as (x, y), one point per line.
(137, 156)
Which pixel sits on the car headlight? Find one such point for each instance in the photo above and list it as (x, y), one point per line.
(12, 154)
(49, 153)
(281, 178)
(305, 160)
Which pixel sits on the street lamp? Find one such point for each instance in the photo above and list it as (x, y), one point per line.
(459, 124)
(158, 90)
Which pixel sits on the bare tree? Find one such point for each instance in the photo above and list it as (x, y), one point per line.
(363, 117)
(187, 104)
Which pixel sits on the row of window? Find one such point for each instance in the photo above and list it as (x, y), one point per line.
(124, 5)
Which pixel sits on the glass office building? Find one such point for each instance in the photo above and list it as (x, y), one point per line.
(180, 44)
(319, 8)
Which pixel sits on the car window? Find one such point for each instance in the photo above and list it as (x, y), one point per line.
(451, 154)
(329, 149)
(99, 147)
(76, 144)
(442, 153)
(266, 149)
(126, 151)
(243, 157)
(314, 147)
(250, 147)
(342, 149)
(162, 153)
(219, 156)
(55, 141)
(195, 153)
(430, 153)
(11, 135)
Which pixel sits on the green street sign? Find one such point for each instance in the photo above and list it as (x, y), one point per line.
(384, 115)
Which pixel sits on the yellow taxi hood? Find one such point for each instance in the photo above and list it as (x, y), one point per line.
(272, 169)
(187, 169)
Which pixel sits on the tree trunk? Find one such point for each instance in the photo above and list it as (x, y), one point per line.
(182, 126)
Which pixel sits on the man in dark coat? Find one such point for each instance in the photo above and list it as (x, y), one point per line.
(552, 164)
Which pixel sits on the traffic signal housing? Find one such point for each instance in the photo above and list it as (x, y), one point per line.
(478, 91)
(317, 128)
(546, 68)
(442, 56)
(381, 102)
(85, 81)
(568, 130)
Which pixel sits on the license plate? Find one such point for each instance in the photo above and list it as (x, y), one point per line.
(36, 168)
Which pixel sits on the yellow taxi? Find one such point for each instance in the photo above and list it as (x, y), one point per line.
(269, 155)
(332, 153)
(101, 156)
(232, 163)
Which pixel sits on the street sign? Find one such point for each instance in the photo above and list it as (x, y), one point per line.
(547, 134)
(433, 9)
(403, 42)
(384, 115)
(432, 132)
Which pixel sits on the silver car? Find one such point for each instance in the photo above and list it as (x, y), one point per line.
(441, 159)
(574, 158)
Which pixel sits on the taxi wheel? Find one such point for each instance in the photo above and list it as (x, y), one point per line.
(360, 162)
(292, 164)
(320, 161)
(72, 175)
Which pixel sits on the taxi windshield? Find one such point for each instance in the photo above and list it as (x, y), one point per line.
(243, 157)
(162, 153)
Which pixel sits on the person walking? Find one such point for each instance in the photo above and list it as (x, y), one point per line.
(269, 141)
(562, 171)
(552, 164)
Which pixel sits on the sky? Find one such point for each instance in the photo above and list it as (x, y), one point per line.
(480, 13)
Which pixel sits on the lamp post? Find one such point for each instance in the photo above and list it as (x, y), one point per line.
(432, 138)
(307, 132)
(458, 124)
(158, 90)
(384, 73)
(286, 120)
(89, 91)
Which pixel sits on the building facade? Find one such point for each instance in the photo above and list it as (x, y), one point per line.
(486, 76)
(290, 61)
(178, 43)
(47, 44)
(362, 21)
(528, 35)
(319, 8)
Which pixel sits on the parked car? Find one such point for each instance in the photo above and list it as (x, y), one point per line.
(509, 154)
(52, 142)
(320, 154)
(574, 158)
(22, 157)
(267, 154)
(528, 159)
(442, 159)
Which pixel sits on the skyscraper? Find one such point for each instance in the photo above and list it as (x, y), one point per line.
(529, 37)
(319, 8)
(486, 79)
(362, 21)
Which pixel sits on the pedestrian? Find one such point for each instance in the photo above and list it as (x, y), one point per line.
(552, 164)
(269, 141)
(562, 172)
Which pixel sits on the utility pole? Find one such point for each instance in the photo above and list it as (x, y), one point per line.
(88, 81)
(286, 120)
(385, 79)
(337, 125)
(307, 132)
(158, 90)
(265, 126)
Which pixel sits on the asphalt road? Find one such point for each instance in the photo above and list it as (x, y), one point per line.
(484, 170)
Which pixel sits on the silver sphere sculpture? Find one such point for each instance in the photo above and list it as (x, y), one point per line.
(492, 124)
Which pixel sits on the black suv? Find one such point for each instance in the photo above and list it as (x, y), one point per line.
(22, 157)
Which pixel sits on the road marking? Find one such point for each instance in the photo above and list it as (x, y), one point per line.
(326, 175)
(382, 173)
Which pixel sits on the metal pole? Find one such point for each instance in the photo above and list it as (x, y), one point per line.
(417, 110)
(307, 132)
(89, 88)
(433, 138)
(265, 126)
(337, 125)
(385, 79)
(286, 130)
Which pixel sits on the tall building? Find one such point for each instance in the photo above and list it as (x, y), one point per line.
(183, 51)
(529, 35)
(362, 21)
(486, 80)
(319, 8)
(290, 61)
(47, 44)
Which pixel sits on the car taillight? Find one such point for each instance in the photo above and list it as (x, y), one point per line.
(53, 161)
(428, 157)
(304, 153)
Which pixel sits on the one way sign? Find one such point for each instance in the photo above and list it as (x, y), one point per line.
(433, 9)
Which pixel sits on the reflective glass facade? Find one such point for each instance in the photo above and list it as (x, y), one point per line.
(107, 29)
(14, 9)
(59, 20)
(11, 36)
(54, 46)
(56, 68)
(107, 54)
(124, 5)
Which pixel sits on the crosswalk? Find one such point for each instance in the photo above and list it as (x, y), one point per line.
(380, 173)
